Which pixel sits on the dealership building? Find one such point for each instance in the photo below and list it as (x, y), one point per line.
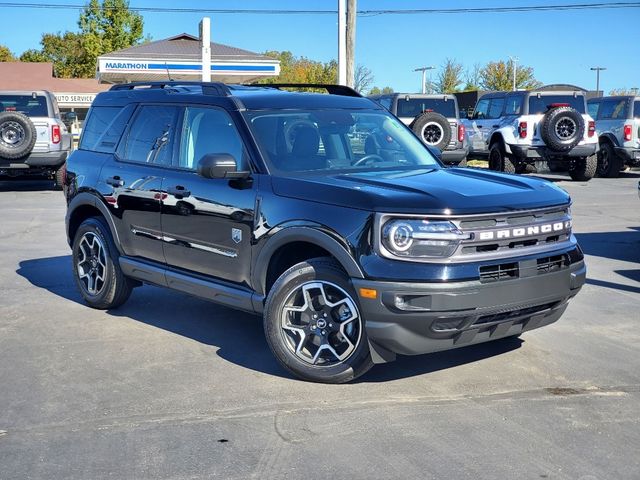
(176, 58)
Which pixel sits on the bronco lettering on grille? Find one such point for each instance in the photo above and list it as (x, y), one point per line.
(520, 232)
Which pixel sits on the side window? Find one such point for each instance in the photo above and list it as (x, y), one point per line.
(103, 128)
(593, 108)
(150, 138)
(513, 105)
(482, 109)
(209, 130)
(495, 109)
(613, 109)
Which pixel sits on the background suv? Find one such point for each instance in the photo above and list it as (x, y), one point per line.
(516, 129)
(33, 138)
(268, 201)
(618, 128)
(435, 119)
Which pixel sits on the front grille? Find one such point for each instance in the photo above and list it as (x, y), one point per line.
(552, 264)
(523, 312)
(496, 273)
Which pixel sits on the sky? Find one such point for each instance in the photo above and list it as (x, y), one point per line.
(561, 46)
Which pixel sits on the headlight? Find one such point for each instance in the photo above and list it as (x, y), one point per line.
(408, 237)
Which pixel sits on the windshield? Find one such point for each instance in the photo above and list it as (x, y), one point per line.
(336, 140)
(541, 105)
(28, 104)
(415, 106)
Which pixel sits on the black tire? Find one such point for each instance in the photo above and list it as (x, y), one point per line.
(294, 348)
(114, 288)
(59, 177)
(498, 161)
(433, 129)
(584, 169)
(17, 135)
(562, 128)
(609, 164)
(463, 163)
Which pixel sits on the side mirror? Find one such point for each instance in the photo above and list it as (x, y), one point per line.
(219, 165)
(435, 151)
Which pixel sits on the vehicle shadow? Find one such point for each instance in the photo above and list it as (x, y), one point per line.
(20, 185)
(614, 245)
(238, 336)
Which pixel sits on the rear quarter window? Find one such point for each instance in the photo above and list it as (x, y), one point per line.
(613, 109)
(103, 128)
(27, 104)
(636, 109)
(541, 104)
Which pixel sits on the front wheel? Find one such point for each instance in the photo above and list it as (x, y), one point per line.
(609, 164)
(583, 169)
(498, 161)
(96, 270)
(313, 323)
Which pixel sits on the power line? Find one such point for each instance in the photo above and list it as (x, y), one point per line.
(517, 9)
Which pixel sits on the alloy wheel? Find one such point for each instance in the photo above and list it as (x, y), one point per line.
(566, 128)
(91, 264)
(12, 133)
(432, 133)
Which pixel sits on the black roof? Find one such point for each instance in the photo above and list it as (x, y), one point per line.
(241, 97)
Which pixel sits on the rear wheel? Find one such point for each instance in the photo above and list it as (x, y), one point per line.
(59, 178)
(96, 269)
(498, 161)
(609, 164)
(583, 169)
(313, 324)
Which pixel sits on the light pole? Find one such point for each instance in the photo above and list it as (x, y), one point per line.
(424, 76)
(597, 69)
(514, 63)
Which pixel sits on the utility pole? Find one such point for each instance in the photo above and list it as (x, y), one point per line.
(424, 77)
(205, 47)
(514, 63)
(351, 41)
(342, 42)
(597, 70)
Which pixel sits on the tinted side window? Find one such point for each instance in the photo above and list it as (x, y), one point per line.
(636, 109)
(513, 105)
(150, 138)
(482, 109)
(592, 108)
(495, 109)
(103, 128)
(613, 109)
(209, 130)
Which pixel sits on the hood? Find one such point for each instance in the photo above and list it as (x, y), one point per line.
(446, 191)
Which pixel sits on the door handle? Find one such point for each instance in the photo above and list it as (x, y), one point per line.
(495, 126)
(479, 126)
(115, 181)
(178, 191)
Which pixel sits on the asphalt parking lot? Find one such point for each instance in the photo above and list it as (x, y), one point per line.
(169, 386)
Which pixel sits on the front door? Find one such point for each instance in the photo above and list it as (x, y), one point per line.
(207, 224)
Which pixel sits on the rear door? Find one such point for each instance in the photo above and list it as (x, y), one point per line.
(207, 224)
(478, 126)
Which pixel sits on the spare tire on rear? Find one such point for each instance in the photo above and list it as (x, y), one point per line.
(433, 129)
(17, 135)
(562, 128)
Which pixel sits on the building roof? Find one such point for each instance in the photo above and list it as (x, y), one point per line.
(39, 76)
(187, 47)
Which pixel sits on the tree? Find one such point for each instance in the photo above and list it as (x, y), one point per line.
(499, 76)
(383, 91)
(6, 55)
(362, 79)
(104, 27)
(450, 77)
(302, 70)
(472, 78)
(624, 91)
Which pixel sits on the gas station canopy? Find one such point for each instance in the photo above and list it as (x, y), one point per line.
(180, 58)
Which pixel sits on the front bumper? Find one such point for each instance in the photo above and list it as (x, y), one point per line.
(524, 152)
(37, 160)
(441, 316)
(630, 155)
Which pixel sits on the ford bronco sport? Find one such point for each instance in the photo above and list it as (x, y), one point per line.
(618, 128)
(435, 119)
(516, 129)
(33, 138)
(266, 200)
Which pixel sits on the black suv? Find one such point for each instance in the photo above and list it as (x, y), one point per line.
(270, 201)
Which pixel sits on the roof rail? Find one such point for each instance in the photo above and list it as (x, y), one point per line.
(208, 88)
(329, 87)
